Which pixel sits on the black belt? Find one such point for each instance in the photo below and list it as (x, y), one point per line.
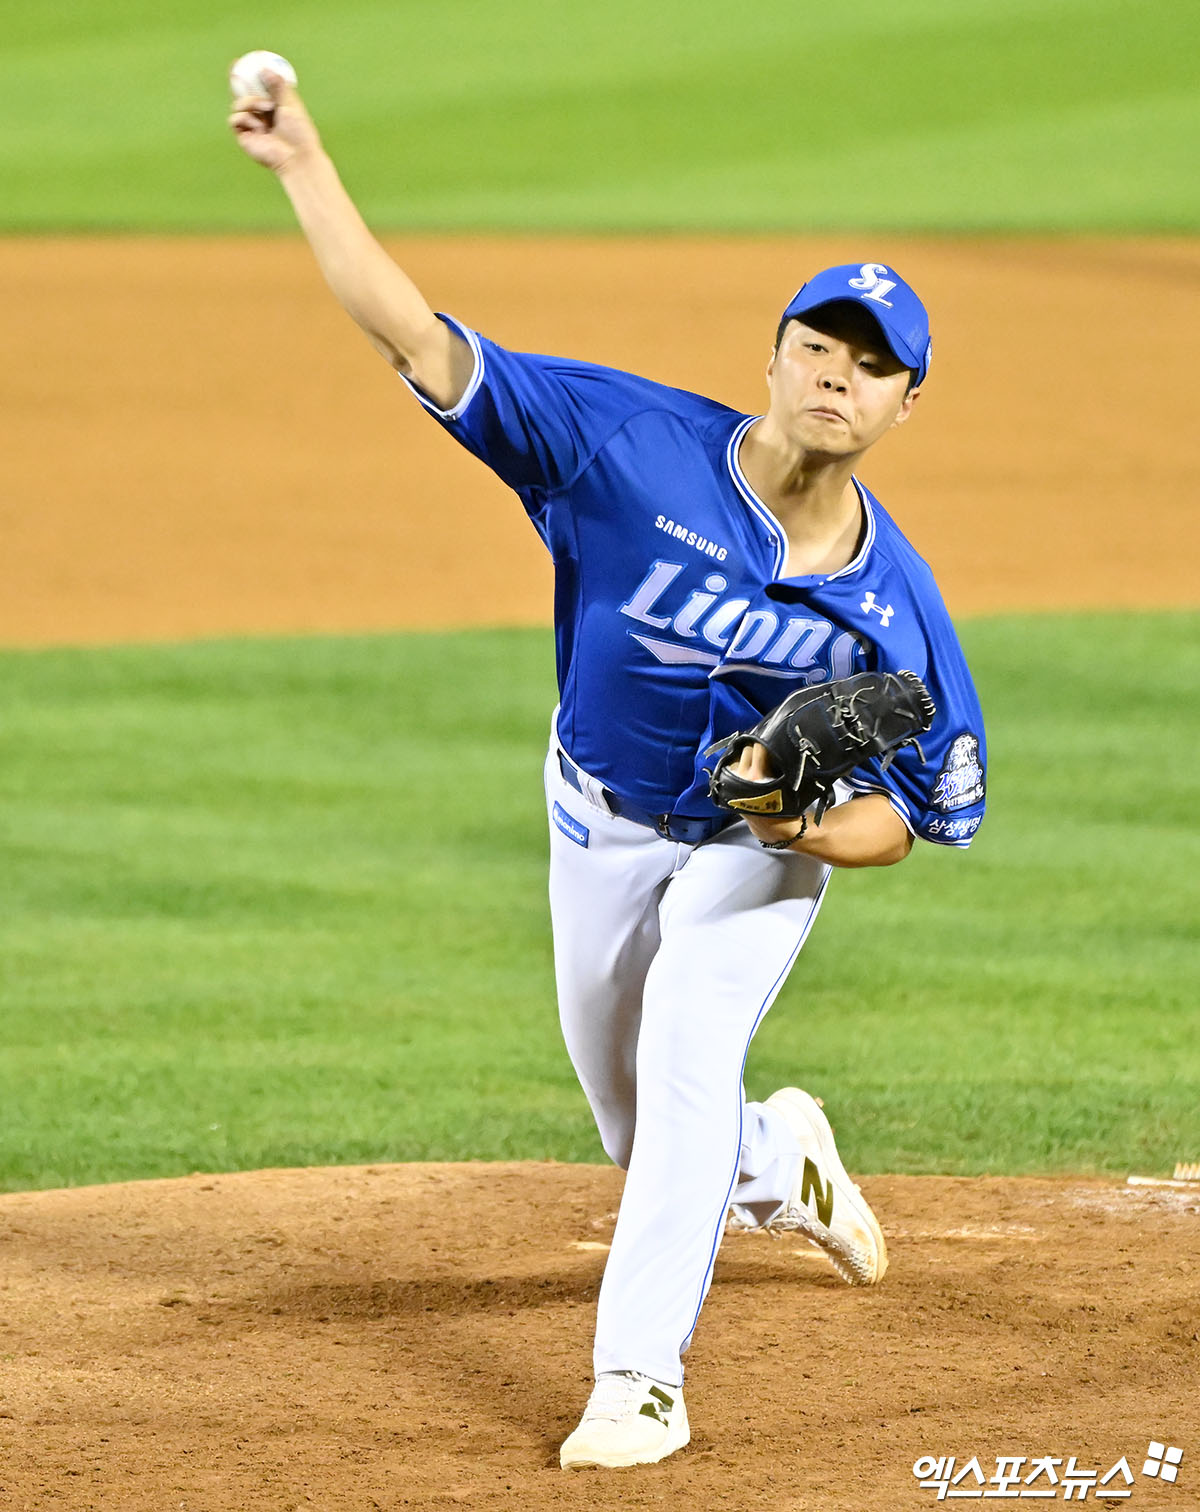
(675, 827)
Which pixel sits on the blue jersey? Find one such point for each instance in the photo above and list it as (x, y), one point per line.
(674, 625)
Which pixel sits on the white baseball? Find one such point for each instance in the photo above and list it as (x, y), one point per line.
(245, 77)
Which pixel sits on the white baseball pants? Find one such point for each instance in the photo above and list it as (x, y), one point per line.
(667, 957)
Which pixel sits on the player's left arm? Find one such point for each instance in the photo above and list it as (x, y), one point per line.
(867, 831)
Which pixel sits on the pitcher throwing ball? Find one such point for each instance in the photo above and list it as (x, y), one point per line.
(709, 565)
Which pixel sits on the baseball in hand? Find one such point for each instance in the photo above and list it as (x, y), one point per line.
(245, 77)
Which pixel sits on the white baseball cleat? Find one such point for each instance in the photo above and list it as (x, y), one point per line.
(825, 1205)
(630, 1419)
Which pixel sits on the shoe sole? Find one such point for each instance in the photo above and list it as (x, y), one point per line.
(796, 1105)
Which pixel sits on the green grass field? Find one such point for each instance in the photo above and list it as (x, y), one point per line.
(233, 937)
(935, 114)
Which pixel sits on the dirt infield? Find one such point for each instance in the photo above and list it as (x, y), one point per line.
(197, 441)
(418, 1336)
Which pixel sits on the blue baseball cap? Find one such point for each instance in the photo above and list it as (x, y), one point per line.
(898, 312)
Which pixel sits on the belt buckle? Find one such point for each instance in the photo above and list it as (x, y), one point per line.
(663, 825)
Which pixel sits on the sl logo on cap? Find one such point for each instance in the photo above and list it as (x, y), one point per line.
(873, 284)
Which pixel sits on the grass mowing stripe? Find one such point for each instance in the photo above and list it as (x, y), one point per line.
(234, 935)
(687, 114)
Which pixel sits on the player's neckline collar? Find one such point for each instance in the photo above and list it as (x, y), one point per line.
(775, 529)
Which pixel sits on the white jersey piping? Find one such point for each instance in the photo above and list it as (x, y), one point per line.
(472, 340)
(751, 498)
(765, 514)
(861, 785)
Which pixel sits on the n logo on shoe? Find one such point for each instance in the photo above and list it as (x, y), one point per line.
(654, 1409)
(811, 1188)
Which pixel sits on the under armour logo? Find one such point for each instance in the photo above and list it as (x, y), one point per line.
(868, 605)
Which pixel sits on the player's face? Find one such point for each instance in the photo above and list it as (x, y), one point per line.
(835, 386)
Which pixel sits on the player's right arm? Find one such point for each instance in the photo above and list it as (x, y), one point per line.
(375, 292)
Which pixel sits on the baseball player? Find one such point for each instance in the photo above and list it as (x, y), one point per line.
(708, 563)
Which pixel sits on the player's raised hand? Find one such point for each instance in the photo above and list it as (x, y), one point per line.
(274, 130)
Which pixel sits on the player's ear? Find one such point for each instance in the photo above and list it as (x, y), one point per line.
(906, 406)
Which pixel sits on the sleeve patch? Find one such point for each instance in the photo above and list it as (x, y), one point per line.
(960, 782)
(953, 831)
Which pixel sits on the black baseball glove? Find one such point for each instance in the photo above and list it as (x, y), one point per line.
(818, 735)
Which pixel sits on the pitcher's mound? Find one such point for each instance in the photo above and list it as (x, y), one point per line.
(419, 1336)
